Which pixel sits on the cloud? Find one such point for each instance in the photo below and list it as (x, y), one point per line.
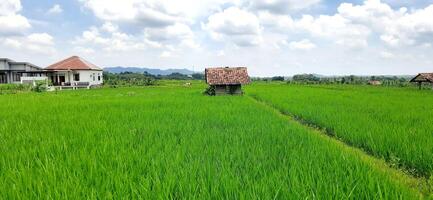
(166, 54)
(9, 7)
(281, 6)
(336, 28)
(157, 24)
(145, 13)
(41, 43)
(12, 43)
(154, 13)
(11, 22)
(13, 25)
(304, 44)
(83, 50)
(239, 26)
(56, 9)
(395, 27)
(108, 38)
(220, 53)
(41, 38)
(386, 55)
(281, 23)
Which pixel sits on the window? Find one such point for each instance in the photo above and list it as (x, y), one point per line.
(93, 76)
(99, 77)
(76, 77)
(17, 77)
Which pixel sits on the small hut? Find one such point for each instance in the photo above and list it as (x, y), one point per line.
(423, 78)
(226, 80)
(372, 82)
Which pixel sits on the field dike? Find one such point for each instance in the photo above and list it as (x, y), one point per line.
(419, 184)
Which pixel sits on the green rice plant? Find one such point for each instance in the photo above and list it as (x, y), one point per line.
(391, 123)
(174, 143)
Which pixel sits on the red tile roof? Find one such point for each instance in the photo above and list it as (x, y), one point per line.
(423, 77)
(73, 63)
(227, 76)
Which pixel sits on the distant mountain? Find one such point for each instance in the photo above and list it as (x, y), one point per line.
(117, 70)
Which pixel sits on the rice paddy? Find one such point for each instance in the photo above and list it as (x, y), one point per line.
(172, 142)
(392, 123)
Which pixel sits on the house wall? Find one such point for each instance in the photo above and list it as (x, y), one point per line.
(228, 89)
(90, 76)
(86, 76)
(4, 65)
(9, 69)
(19, 66)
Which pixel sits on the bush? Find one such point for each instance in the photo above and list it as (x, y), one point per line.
(40, 86)
(14, 88)
(210, 91)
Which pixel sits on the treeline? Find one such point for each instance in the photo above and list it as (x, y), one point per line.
(352, 79)
(144, 79)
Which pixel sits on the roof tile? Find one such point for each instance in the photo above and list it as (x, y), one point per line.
(73, 63)
(227, 76)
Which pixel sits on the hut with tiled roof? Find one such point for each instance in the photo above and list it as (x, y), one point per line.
(423, 78)
(226, 80)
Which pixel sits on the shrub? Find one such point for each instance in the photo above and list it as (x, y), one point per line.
(14, 88)
(210, 91)
(40, 86)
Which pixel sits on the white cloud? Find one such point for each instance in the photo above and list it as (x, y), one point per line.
(153, 12)
(281, 23)
(13, 43)
(146, 13)
(220, 53)
(386, 55)
(165, 54)
(157, 24)
(282, 6)
(239, 26)
(11, 22)
(56, 9)
(83, 50)
(304, 44)
(173, 32)
(336, 28)
(13, 25)
(110, 27)
(41, 43)
(9, 7)
(41, 38)
(395, 27)
(108, 38)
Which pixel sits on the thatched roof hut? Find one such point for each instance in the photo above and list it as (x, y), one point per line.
(227, 80)
(423, 78)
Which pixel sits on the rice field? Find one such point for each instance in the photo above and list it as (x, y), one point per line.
(172, 142)
(392, 123)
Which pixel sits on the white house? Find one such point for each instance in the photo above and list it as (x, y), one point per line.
(74, 71)
(19, 72)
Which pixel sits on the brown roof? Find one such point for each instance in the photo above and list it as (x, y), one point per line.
(423, 77)
(227, 76)
(73, 63)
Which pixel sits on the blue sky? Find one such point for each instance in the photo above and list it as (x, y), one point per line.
(270, 37)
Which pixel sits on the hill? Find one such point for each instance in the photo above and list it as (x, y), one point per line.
(120, 69)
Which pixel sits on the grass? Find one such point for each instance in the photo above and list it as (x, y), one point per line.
(391, 123)
(172, 142)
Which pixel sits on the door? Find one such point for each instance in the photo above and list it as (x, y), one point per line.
(62, 79)
(3, 78)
